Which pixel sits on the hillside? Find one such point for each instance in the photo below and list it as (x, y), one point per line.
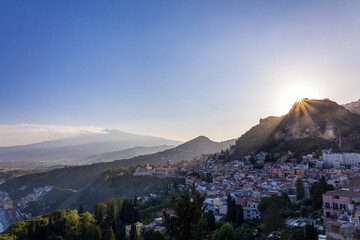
(77, 177)
(124, 186)
(124, 154)
(353, 107)
(309, 123)
(80, 149)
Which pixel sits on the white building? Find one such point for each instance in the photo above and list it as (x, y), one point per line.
(337, 159)
(251, 211)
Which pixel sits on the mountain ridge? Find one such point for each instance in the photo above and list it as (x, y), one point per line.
(308, 119)
(75, 150)
(77, 177)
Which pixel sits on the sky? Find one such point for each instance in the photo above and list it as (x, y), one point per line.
(175, 69)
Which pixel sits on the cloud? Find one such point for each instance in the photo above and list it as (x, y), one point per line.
(22, 134)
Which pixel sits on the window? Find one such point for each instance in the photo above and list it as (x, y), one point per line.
(335, 214)
(335, 206)
(337, 197)
(328, 214)
(327, 205)
(343, 207)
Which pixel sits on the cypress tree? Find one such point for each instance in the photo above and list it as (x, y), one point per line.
(300, 190)
(211, 220)
(230, 210)
(239, 215)
(81, 209)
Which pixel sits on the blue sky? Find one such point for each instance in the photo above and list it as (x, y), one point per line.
(176, 69)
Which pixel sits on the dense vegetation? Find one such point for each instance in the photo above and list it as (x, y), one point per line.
(116, 219)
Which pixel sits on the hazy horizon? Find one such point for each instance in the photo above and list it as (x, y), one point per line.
(170, 69)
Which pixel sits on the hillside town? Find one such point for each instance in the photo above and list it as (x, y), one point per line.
(255, 177)
(248, 181)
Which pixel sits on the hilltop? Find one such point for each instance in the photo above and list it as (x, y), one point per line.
(309, 123)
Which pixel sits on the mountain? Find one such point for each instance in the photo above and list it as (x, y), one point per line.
(124, 154)
(76, 150)
(353, 107)
(77, 177)
(309, 125)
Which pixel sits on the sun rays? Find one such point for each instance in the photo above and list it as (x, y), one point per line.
(296, 94)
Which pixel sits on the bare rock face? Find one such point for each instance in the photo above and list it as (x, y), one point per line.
(353, 107)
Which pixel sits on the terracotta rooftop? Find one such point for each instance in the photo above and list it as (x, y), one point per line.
(343, 193)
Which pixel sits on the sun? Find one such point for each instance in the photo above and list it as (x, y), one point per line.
(294, 94)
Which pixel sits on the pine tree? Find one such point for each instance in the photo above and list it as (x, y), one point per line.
(189, 221)
(100, 209)
(110, 213)
(273, 221)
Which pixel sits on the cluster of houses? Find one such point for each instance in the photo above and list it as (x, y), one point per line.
(247, 184)
(5, 201)
(36, 195)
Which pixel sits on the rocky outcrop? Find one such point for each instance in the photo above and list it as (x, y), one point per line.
(353, 107)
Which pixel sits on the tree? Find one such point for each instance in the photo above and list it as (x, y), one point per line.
(157, 236)
(300, 190)
(119, 204)
(285, 196)
(239, 215)
(311, 232)
(81, 209)
(273, 221)
(297, 234)
(211, 220)
(231, 209)
(283, 205)
(121, 234)
(110, 213)
(109, 235)
(100, 209)
(226, 232)
(94, 233)
(148, 234)
(317, 190)
(189, 221)
(132, 235)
